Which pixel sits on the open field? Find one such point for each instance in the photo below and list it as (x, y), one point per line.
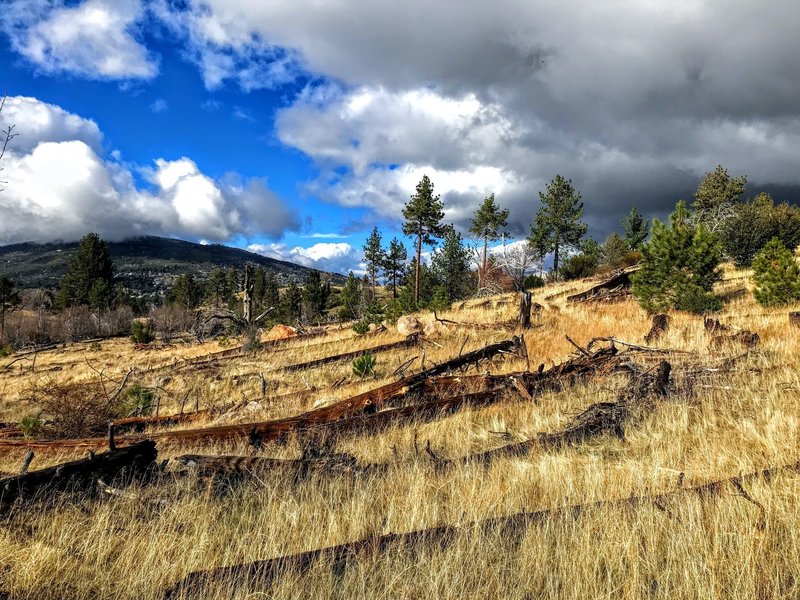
(717, 420)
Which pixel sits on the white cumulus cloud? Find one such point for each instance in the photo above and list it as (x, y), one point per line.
(96, 39)
(339, 257)
(60, 186)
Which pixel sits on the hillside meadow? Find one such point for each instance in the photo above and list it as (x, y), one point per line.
(720, 418)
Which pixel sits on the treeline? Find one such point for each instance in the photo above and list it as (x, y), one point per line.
(679, 264)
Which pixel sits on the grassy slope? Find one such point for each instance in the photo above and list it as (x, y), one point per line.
(124, 548)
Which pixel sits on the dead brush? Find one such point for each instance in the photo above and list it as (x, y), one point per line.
(72, 410)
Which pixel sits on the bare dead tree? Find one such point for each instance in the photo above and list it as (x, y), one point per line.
(517, 260)
(6, 135)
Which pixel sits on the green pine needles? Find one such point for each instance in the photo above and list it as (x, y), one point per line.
(776, 275)
(680, 265)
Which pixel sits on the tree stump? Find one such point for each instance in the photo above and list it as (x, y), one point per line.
(525, 310)
(659, 327)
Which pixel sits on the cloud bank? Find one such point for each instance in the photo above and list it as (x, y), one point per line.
(633, 101)
(60, 186)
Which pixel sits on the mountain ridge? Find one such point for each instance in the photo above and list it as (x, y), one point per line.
(144, 264)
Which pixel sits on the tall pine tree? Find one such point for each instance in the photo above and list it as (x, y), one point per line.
(680, 265)
(394, 264)
(271, 293)
(373, 258)
(315, 295)
(539, 241)
(487, 223)
(90, 278)
(423, 216)
(291, 303)
(450, 266)
(560, 217)
(716, 198)
(349, 298)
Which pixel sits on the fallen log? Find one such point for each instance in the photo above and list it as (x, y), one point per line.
(367, 402)
(82, 473)
(609, 289)
(511, 527)
(597, 419)
(236, 352)
(410, 341)
(139, 424)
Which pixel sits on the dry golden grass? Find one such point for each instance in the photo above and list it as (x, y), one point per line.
(700, 548)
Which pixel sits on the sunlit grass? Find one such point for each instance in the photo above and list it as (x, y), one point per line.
(699, 548)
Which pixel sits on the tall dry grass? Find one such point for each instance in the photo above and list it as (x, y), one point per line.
(720, 425)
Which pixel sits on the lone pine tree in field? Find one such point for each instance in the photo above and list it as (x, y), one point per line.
(680, 265)
(394, 264)
(635, 228)
(716, 198)
(90, 278)
(423, 216)
(559, 217)
(776, 275)
(489, 219)
(373, 258)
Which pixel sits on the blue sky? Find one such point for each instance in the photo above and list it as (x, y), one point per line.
(293, 128)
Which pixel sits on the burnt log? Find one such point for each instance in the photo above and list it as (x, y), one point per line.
(139, 424)
(77, 474)
(597, 419)
(365, 403)
(613, 288)
(410, 341)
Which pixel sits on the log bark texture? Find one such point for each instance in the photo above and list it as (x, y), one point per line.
(77, 474)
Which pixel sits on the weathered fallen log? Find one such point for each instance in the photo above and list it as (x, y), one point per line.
(139, 424)
(410, 341)
(229, 353)
(367, 402)
(77, 474)
(613, 288)
(510, 527)
(599, 418)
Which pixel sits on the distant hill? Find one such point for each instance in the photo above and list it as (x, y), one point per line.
(145, 265)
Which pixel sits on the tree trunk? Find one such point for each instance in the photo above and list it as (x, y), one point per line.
(525, 310)
(394, 283)
(482, 274)
(555, 259)
(416, 270)
(248, 298)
